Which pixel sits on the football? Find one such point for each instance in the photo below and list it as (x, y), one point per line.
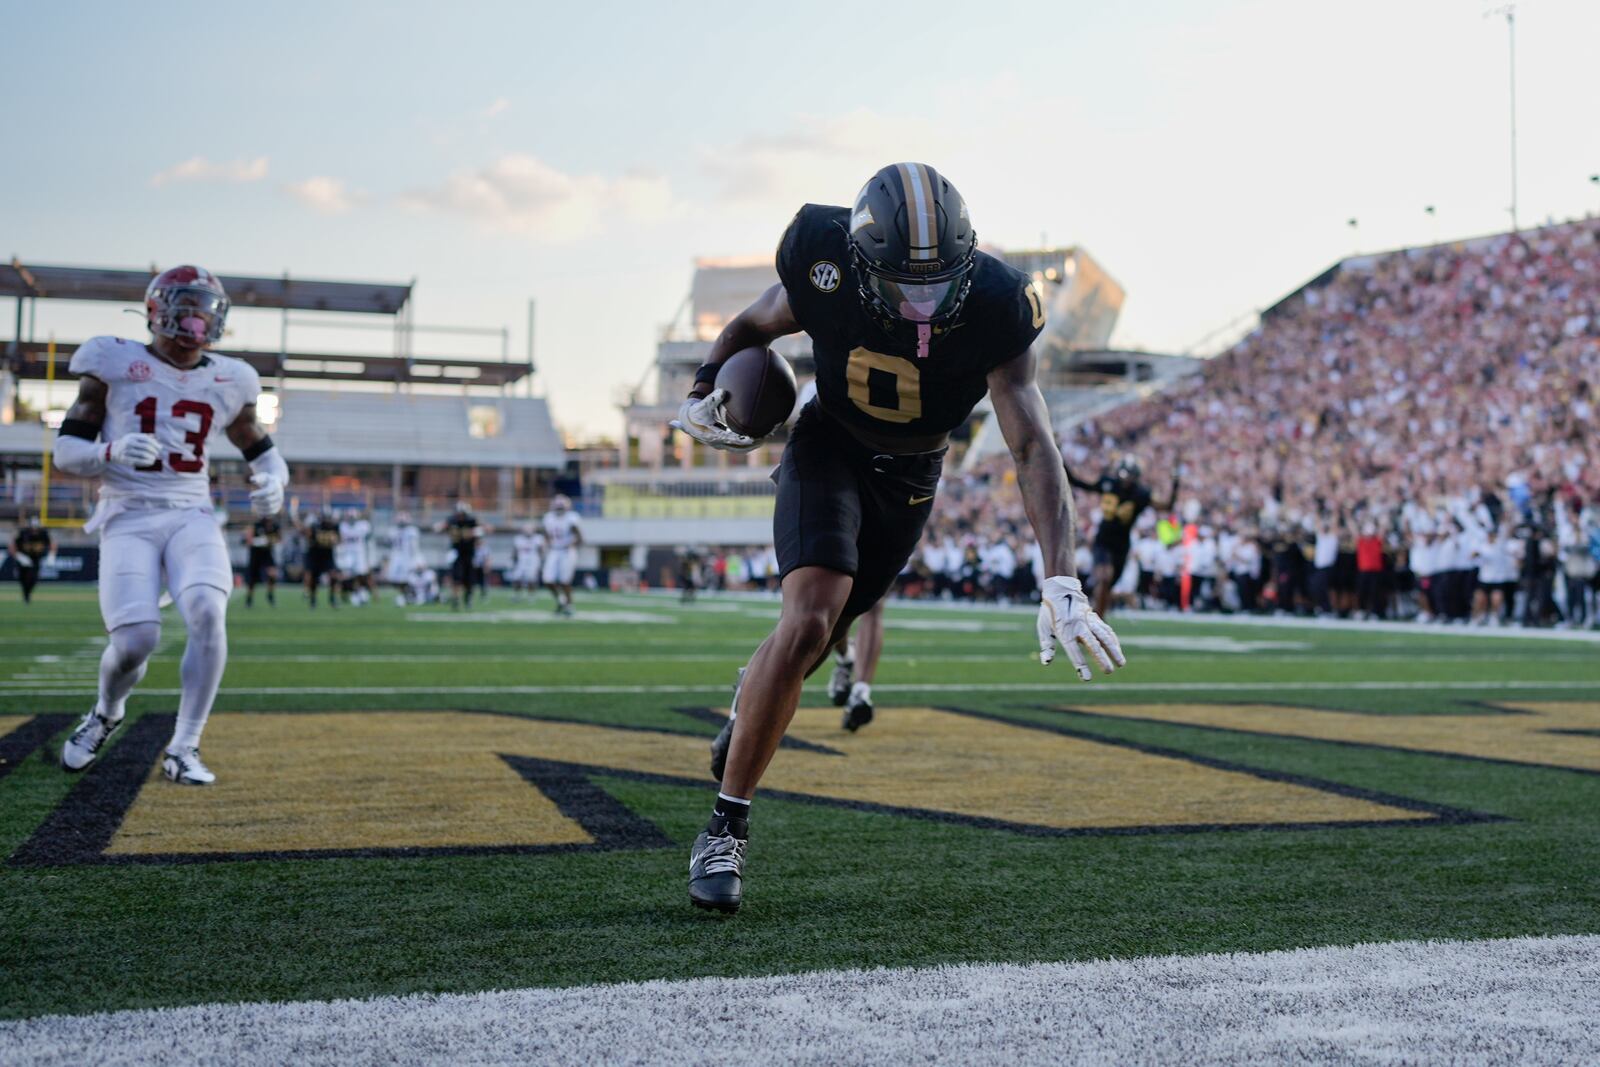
(761, 391)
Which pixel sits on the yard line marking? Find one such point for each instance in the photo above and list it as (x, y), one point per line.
(1525, 999)
(1064, 686)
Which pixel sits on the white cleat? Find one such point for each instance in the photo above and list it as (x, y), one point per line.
(185, 768)
(87, 740)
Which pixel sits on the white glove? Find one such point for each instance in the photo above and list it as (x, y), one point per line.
(134, 450)
(267, 496)
(703, 420)
(24, 560)
(1064, 616)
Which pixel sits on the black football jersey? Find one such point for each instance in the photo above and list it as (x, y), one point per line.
(34, 541)
(1120, 508)
(326, 535)
(463, 529)
(265, 532)
(870, 378)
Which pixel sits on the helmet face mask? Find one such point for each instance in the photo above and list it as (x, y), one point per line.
(187, 305)
(912, 249)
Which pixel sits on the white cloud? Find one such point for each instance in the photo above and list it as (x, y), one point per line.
(500, 105)
(201, 169)
(327, 196)
(816, 159)
(518, 193)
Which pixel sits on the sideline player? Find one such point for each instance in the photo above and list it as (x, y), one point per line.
(910, 324)
(1122, 500)
(143, 420)
(354, 558)
(564, 533)
(261, 567)
(405, 552)
(464, 531)
(29, 548)
(527, 550)
(322, 541)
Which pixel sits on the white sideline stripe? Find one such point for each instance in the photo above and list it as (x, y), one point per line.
(1063, 687)
(1526, 1000)
(1512, 633)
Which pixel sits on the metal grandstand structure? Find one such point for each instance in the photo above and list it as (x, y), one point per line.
(26, 353)
(384, 427)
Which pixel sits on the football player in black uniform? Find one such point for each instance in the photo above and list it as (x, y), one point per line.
(29, 548)
(322, 537)
(464, 531)
(910, 325)
(264, 535)
(1122, 500)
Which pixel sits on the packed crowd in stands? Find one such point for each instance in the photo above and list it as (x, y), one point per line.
(1418, 437)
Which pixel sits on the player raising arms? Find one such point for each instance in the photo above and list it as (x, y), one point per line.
(143, 420)
(910, 324)
(1123, 499)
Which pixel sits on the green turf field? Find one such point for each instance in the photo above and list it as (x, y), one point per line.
(411, 800)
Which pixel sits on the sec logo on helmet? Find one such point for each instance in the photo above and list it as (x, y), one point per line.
(825, 276)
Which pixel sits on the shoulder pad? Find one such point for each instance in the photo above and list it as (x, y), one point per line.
(107, 358)
(811, 254)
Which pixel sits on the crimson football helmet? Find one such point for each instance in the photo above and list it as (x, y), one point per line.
(187, 304)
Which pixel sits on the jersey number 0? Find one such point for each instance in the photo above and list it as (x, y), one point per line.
(146, 410)
(873, 376)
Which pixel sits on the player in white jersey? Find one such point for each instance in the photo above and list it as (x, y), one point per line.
(528, 559)
(354, 565)
(143, 422)
(563, 534)
(405, 551)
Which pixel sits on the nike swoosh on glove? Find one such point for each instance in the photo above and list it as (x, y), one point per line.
(704, 421)
(1065, 617)
(267, 496)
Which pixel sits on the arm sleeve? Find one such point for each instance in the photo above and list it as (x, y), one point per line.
(78, 455)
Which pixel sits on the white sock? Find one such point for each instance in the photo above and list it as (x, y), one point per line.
(205, 611)
(123, 663)
(861, 693)
(847, 654)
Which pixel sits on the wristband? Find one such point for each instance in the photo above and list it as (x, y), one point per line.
(707, 374)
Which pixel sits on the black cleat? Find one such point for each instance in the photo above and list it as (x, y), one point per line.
(858, 710)
(719, 746)
(716, 864)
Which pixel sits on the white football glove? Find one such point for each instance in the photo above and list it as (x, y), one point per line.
(1065, 616)
(24, 560)
(704, 421)
(267, 496)
(134, 450)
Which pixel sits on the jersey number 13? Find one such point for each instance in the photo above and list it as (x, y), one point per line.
(182, 409)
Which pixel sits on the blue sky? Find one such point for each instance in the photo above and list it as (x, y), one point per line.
(1208, 154)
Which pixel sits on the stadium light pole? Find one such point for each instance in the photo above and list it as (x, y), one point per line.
(1510, 12)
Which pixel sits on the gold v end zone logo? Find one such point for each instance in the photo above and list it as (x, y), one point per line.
(312, 785)
(825, 275)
